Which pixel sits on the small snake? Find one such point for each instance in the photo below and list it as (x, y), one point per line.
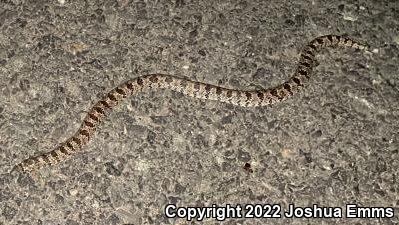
(196, 89)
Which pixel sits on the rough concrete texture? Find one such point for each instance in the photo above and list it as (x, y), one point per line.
(333, 144)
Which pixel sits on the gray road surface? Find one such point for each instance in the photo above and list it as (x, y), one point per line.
(335, 143)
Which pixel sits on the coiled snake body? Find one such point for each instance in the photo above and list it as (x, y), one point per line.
(191, 88)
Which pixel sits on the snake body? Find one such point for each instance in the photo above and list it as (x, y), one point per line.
(101, 109)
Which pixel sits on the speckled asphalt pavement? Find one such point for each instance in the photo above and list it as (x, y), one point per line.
(335, 143)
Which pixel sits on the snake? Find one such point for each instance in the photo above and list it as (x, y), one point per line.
(245, 98)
